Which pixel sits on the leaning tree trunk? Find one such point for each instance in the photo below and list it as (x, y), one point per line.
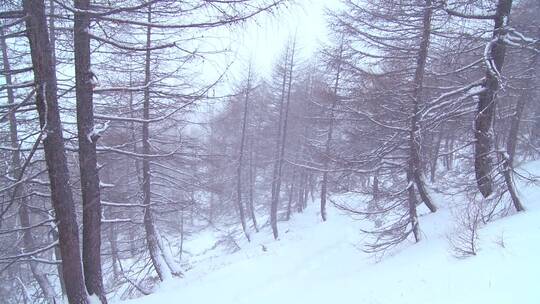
(53, 145)
(483, 123)
(87, 138)
(415, 166)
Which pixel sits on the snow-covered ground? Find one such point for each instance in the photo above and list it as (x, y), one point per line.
(316, 262)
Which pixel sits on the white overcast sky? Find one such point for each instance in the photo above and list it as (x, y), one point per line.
(264, 39)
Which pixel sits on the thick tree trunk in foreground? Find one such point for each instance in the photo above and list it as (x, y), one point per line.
(483, 123)
(87, 154)
(53, 144)
(52, 38)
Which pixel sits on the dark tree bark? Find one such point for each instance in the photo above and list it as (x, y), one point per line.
(52, 38)
(52, 28)
(87, 139)
(55, 157)
(483, 123)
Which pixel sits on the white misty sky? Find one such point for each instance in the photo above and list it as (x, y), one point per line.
(263, 39)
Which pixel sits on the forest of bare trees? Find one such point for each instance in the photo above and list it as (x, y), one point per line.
(110, 159)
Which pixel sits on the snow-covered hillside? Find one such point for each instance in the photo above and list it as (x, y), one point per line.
(316, 262)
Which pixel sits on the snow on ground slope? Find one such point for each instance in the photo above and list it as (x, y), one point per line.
(316, 262)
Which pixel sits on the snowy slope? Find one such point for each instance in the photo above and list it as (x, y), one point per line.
(315, 262)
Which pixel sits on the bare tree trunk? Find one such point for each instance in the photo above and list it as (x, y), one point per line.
(302, 191)
(291, 196)
(52, 38)
(114, 251)
(483, 124)
(435, 156)
(415, 162)
(284, 136)
(239, 204)
(375, 186)
(449, 155)
(87, 138)
(151, 233)
(52, 28)
(274, 200)
(133, 135)
(49, 117)
(162, 263)
(328, 144)
(413, 216)
(252, 174)
(182, 236)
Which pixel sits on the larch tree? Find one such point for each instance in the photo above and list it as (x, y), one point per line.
(53, 144)
(88, 135)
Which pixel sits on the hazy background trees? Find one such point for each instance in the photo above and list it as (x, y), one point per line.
(387, 109)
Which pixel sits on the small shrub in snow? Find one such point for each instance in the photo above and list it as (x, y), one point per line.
(464, 239)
